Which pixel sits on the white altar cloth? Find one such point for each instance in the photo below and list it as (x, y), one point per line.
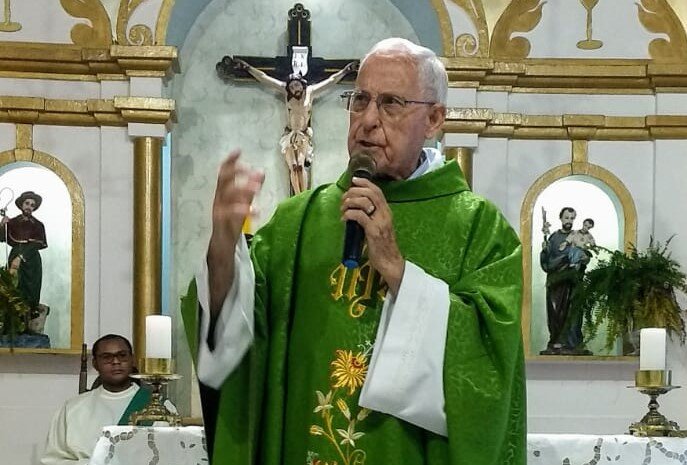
(143, 445)
(587, 449)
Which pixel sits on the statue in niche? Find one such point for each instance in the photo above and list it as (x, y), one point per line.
(296, 142)
(26, 235)
(564, 257)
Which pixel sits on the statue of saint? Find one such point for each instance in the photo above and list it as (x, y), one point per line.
(296, 142)
(26, 235)
(564, 265)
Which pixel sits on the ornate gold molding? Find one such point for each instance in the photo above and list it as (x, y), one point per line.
(139, 34)
(24, 136)
(519, 16)
(163, 21)
(80, 63)
(77, 257)
(658, 16)
(92, 112)
(566, 75)
(467, 45)
(527, 210)
(445, 27)
(99, 33)
(487, 123)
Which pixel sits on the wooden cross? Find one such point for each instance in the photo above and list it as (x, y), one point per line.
(300, 77)
(280, 67)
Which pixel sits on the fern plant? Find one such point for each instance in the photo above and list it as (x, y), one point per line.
(632, 290)
(14, 311)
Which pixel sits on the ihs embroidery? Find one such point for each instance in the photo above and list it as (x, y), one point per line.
(357, 286)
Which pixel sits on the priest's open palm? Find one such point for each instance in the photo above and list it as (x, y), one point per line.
(365, 203)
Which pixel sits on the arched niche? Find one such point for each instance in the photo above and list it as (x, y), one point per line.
(592, 191)
(62, 213)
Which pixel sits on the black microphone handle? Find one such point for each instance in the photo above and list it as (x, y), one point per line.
(355, 234)
(353, 244)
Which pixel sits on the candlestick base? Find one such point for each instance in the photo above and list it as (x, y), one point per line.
(654, 383)
(158, 372)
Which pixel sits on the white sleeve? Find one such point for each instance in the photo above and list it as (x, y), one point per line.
(405, 375)
(234, 329)
(57, 451)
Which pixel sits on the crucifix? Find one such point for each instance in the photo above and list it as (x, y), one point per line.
(300, 77)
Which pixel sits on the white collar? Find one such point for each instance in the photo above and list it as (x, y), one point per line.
(431, 159)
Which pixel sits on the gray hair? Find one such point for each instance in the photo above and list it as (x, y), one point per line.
(431, 70)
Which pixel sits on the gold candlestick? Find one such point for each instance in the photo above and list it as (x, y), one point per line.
(157, 372)
(654, 383)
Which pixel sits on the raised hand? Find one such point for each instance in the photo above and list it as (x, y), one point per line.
(237, 185)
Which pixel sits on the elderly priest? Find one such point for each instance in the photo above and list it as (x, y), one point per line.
(415, 357)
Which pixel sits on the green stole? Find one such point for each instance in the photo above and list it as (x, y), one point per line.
(138, 402)
(294, 397)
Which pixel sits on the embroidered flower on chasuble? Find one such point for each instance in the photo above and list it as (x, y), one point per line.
(348, 374)
(349, 370)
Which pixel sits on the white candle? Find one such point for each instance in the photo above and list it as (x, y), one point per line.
(652, 349)
(158, 336)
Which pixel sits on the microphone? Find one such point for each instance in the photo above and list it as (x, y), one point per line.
(361, 165)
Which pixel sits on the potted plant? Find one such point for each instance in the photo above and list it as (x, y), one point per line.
(632, 290)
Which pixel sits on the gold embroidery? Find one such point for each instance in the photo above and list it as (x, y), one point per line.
(356, 287)
(349, 370)
(348, 373)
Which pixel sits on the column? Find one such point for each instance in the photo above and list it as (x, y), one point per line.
(147, 235)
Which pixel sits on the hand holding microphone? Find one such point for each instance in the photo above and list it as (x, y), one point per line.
(361, 165)
(368, 219)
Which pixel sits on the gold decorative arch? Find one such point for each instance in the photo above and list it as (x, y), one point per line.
(139, 34)
(26, 154)
(526, 212)
(445, 27)
(163, 22)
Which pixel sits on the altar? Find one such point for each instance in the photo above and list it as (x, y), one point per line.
(144, 445)
(620, 449)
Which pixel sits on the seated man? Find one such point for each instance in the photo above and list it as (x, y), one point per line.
(76, 427)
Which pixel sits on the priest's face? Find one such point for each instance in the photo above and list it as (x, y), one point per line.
(114, 362)
(391, 132)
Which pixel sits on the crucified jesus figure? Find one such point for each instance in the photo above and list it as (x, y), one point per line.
(296, 142)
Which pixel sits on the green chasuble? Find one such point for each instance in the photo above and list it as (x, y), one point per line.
(293, 400)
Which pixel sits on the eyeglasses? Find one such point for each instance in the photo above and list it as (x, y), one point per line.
(389, 105)
(108, 357)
